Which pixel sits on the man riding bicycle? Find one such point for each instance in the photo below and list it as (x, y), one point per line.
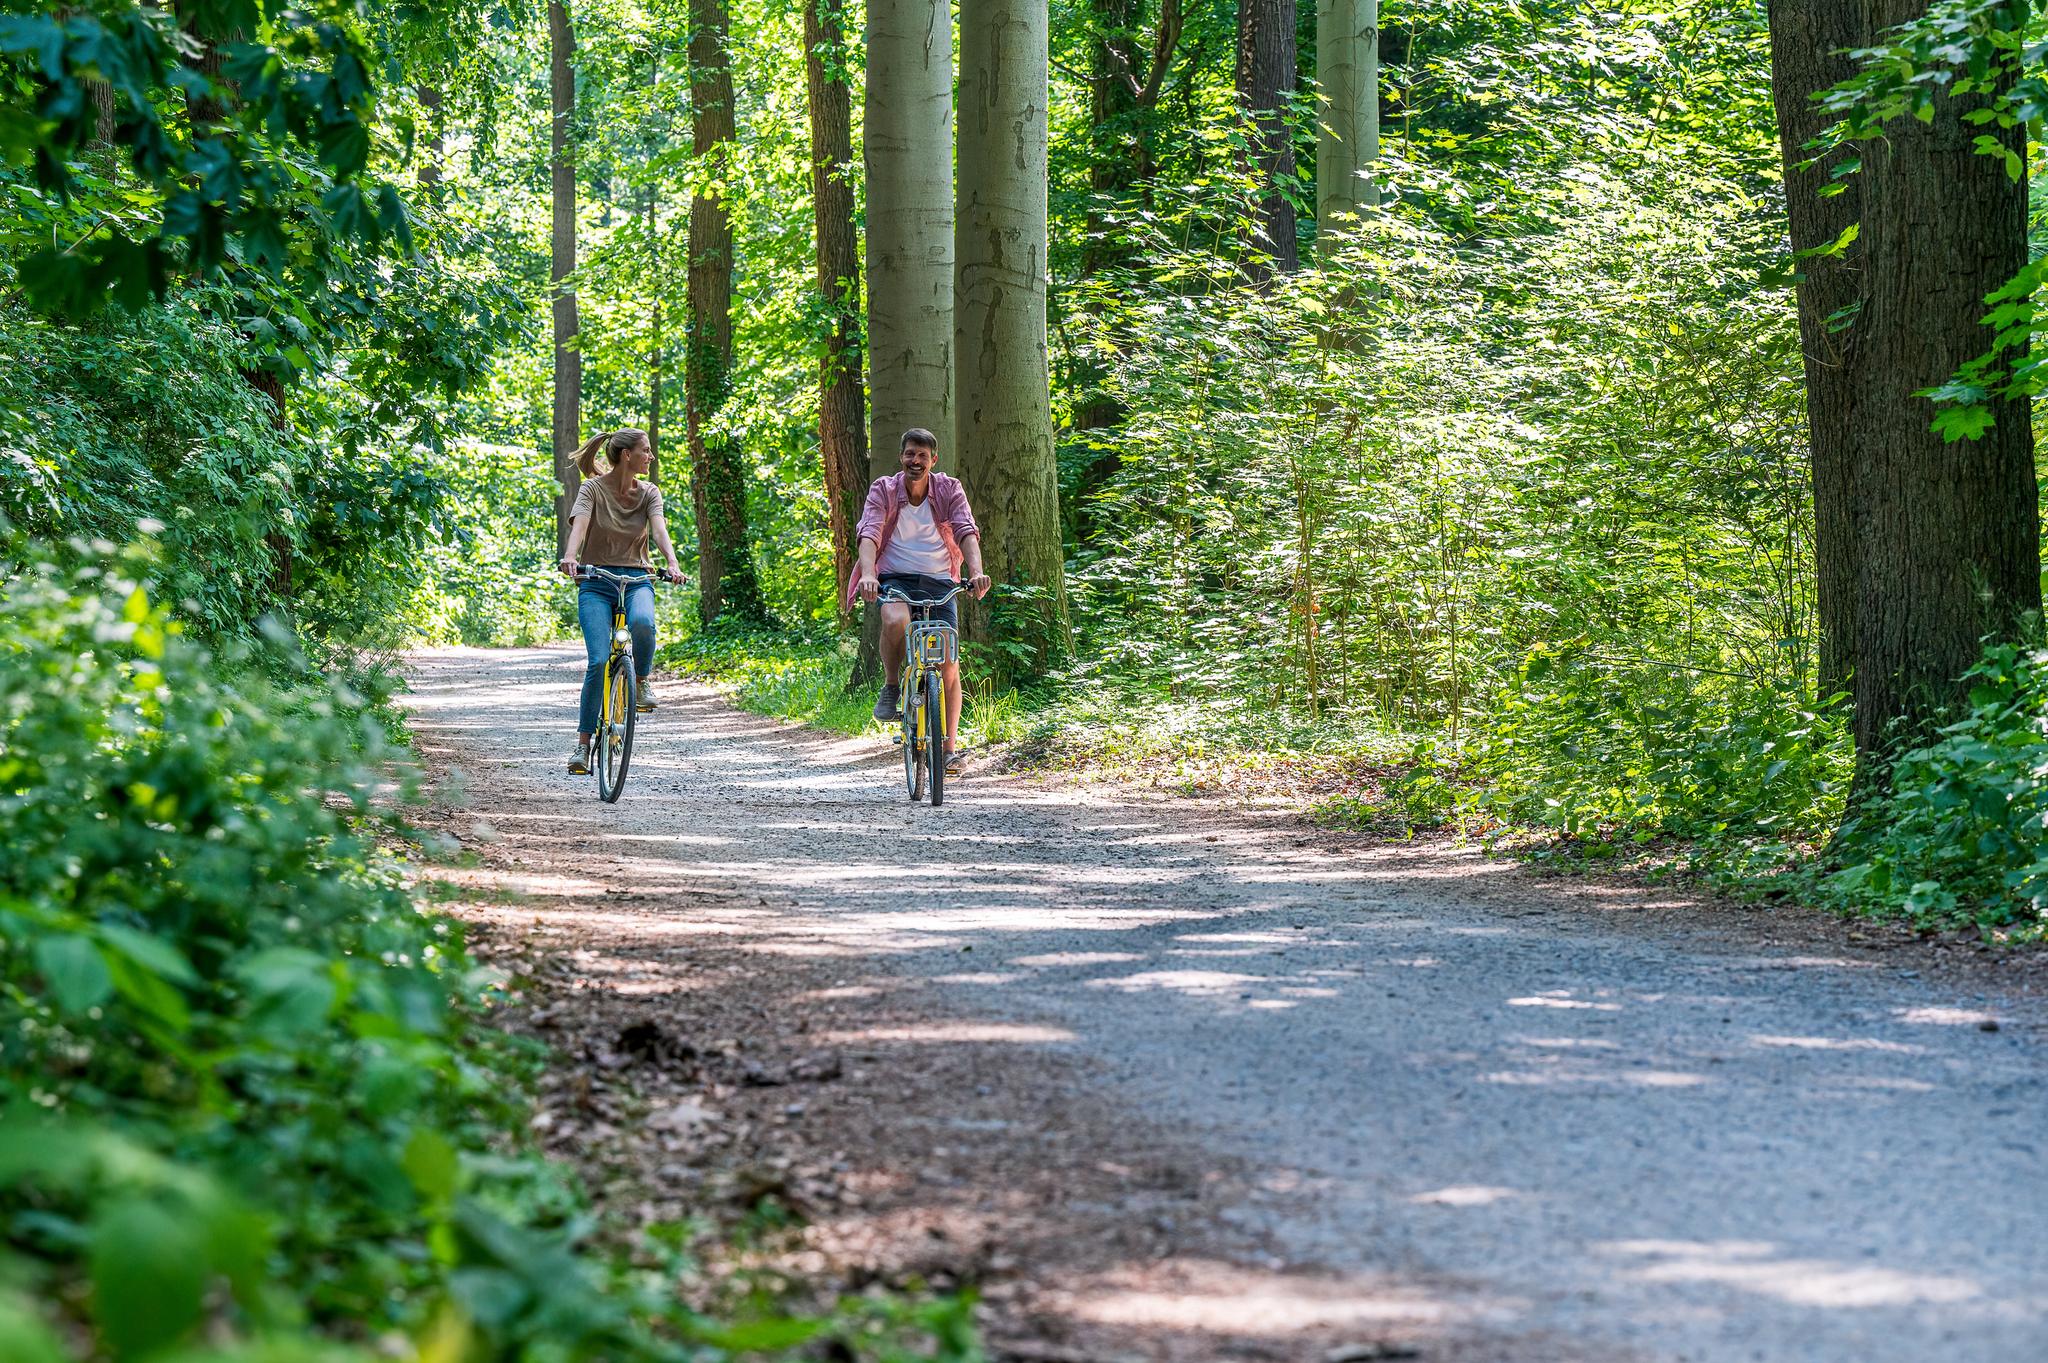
(917, 536)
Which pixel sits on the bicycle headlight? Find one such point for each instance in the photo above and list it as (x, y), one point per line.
(622, 636)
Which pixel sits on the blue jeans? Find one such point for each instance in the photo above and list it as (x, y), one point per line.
(595, 600)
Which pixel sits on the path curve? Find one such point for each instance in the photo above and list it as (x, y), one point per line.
(1668, 1142)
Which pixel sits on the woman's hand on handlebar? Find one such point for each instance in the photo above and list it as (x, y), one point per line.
(568, 565)
(672, 574)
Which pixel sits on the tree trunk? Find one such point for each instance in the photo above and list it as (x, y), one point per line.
(1808, 42)
(429, 173)
(842, 411)
(726, 585)
(102, 95)
(568, 414)
(656, 323)
(1003, 428)
(657, 335)
(1348, 133)
(907, 141)
(1950, 532)
(1266, 76)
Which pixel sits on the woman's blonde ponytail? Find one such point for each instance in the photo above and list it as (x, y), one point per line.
(586, 458)
(613, 443)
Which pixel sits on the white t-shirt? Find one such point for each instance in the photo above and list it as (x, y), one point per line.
(915, 546)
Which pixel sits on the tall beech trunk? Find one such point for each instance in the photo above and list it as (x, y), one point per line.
(1003, 428)
(907, 134)
(842, 409)
(1266, 77)
(907, 143)
(1808, 43)
(726, 585)
(1348, 132)
(568, 413)
(1950, 532)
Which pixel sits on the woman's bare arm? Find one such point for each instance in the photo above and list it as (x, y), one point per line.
(658, 524)
(578, 528)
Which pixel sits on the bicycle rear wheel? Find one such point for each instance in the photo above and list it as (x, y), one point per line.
(615, 743)
(913, 745)
(935, 735)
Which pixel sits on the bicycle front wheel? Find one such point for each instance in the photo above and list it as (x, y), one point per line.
(913, 744)
(935, 735)
(615, 744)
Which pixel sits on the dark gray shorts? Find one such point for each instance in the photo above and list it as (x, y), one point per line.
(921, 588)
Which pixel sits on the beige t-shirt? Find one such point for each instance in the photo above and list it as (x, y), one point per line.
(617, 537)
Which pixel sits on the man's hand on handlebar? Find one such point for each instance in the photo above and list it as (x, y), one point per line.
(979, 585)
(869, 587)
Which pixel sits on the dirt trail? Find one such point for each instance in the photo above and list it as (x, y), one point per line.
(1179, 1081)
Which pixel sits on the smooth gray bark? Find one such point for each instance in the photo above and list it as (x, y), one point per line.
(1003, 426)
(1348, 131)
(908, 141)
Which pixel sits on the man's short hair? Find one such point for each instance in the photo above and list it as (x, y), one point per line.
(918, 435)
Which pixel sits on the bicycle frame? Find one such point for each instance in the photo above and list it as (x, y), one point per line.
(928, 645)
(613, 741)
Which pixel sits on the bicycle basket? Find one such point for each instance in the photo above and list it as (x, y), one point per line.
(934, 644)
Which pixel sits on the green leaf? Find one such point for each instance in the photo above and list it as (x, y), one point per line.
(75, 971)
(153, 954)
(1962, 423)
(150, 993)
(42, 36)
(764, 1336)
(431, 1163)
(149, 1275)
(23, 1338)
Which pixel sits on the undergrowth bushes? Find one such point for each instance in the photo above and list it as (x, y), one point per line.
(1587, 747)
(1961, 835)
(89, 446)
(248, 1090)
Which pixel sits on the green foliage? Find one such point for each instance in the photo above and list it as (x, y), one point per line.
(479, 564)
(1987, 53)
(236, 1034)
(248, 126)
(91, 444)
(247, 1089)
(1961, 836)
(1590, 746)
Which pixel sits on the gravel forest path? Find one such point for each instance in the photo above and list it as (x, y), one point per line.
(1217, 1084)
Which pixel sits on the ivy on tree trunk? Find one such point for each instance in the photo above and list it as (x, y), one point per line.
(726, 585)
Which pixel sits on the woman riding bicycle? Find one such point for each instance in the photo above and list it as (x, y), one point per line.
(608, 526)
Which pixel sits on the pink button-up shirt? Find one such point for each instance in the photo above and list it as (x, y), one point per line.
(886, 497)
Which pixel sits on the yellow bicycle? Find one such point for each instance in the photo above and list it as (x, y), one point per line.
(928, 645)
(611, 746)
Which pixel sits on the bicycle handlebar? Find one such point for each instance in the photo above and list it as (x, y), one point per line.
(584, 572)
(896, 594)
